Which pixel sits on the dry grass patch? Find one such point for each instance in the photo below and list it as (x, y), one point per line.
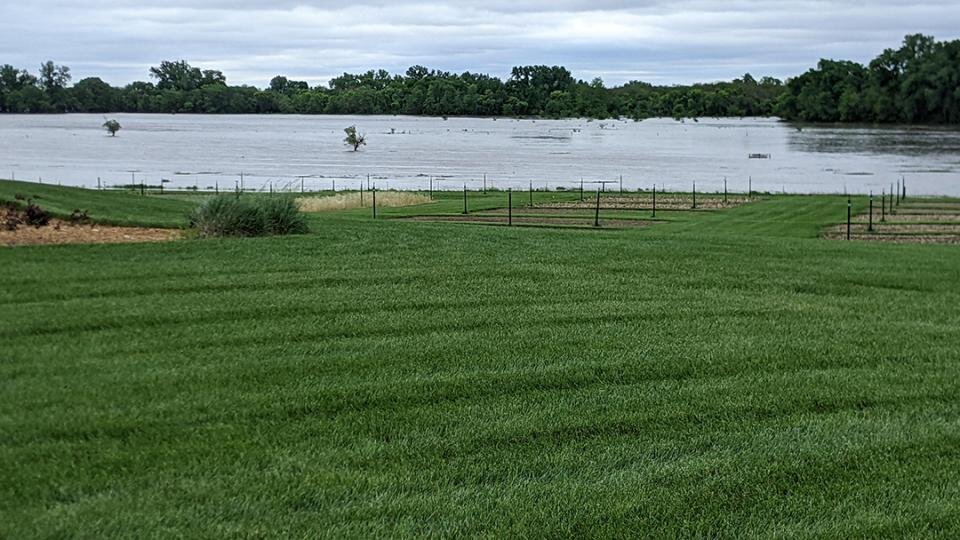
(347, 201)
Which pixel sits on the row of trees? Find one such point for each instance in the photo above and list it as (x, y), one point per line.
(549, 91)
(917, 83)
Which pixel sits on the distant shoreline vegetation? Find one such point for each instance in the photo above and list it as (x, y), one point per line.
(915, 84)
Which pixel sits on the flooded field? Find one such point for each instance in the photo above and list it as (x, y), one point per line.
(296, 153)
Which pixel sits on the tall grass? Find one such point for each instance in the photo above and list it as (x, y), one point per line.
(227, 215)
(347, 201)
(282, 216)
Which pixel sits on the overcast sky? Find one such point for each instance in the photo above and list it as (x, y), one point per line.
(655, 41)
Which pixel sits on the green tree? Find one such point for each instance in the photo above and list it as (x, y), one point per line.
(112, 127)
(354, 139)
(53, 81)
(94, 95)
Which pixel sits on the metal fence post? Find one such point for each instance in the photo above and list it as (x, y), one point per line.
(510, 207)
(849, 210)
(596, 215)
(654, 200)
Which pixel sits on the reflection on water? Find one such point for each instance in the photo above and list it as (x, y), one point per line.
(287, 152)
(903, 141)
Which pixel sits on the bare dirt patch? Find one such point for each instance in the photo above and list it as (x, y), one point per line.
(896, 238)
(535, 220)
(913, 218)
(61, 232)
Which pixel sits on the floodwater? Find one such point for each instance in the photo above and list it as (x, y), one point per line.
(289, 152)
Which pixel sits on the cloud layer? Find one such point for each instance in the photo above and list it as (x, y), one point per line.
(655, 41)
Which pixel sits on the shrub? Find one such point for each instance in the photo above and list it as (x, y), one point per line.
(283, 216)
(36, 216)
(228, 216)
(79, 217)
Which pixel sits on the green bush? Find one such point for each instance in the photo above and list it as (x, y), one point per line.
(283, 216)
(227, 215)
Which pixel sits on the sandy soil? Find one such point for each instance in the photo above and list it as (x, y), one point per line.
(61, 232)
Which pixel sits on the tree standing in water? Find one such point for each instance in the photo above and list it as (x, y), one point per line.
(354, 139)
(112, 126)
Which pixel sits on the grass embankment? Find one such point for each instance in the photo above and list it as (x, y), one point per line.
(107, 207)
(721, 374)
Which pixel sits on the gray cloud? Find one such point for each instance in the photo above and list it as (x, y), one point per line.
(656, 41)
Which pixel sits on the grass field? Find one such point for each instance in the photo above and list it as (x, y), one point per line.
(719, 373)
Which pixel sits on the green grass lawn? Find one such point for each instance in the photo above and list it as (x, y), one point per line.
(719, 374)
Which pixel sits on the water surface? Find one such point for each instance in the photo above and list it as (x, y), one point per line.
(406, 152)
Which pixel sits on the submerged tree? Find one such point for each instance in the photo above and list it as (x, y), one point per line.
(353, 138)
(112, 126)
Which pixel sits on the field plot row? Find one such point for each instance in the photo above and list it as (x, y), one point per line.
(915, 221)
(663, 201)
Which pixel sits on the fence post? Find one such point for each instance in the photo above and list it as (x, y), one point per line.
(654, 200)
(531, 194)
(431, 189)
(301, 185)
(750, 188)
(236, 188)
(883, 205)
(596, 215)
(142, 189)
(694, 195)
(849, 210)
(510, 207)
(621, 184)
(241, 182)
(581, 189)
(903, 180)
(464, 199)
(898, 193)
(374, 202)
(724, 190)
(98, 182)
(484, 183)
(361, 194)
(870, 226)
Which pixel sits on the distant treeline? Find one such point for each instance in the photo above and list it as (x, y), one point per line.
(917, 83)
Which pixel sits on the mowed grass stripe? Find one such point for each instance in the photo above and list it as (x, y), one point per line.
(726, 374)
